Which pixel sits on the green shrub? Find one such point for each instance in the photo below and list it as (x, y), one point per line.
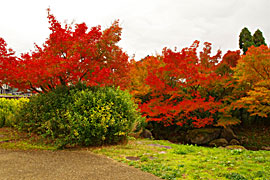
(81, 115)
(44, 110)
(8, 110)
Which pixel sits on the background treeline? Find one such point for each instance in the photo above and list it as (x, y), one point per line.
(76, 71)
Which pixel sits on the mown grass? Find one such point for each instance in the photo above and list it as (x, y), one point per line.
(191, 162)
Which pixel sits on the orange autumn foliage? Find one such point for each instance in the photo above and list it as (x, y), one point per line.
(253, 70)
(139, 71)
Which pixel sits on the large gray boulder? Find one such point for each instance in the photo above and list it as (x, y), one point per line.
(228, 134)
(234, 142)
(146, 134)
(243, 140)
(219, 142)
(202, 136)
(237, 147)
(266, 148)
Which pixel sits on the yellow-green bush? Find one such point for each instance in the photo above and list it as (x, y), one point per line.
(8, 110)
(81, 115)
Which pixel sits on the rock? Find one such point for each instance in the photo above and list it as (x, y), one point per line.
(228, 134)
(146, 134)
(161, 146)
(243, 140)
(152, 158)
(162, 152)
(219, 142)
(235, 147)
(234, 142)
(132, 158)
(266, 148)
(202, 136)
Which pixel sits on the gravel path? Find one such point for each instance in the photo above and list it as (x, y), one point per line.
(18, 164)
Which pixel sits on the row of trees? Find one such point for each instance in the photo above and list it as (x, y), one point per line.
(188, 88)
(185, 88)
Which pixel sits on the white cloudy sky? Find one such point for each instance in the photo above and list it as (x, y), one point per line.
(148, 25)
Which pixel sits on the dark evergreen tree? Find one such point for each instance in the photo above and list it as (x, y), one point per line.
(245, 40)
(258, 38)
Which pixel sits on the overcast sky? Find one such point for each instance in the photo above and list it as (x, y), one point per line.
(148, 25)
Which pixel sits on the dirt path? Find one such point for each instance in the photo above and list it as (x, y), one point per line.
(65, 165)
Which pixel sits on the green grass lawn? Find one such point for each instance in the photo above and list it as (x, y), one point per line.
(191, 162)
(164, 159)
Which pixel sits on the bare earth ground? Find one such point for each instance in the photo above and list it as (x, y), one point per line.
(19, 164)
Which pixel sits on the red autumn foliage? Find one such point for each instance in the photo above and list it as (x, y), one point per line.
(69, 55)
(229, 61)
(181, 89)
(231, 58)
(7, 61)
(227, 89)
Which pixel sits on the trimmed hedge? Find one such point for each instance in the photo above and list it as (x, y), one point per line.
(81, 115)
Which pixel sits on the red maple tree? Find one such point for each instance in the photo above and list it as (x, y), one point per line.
(181, 89)
(70, 55)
